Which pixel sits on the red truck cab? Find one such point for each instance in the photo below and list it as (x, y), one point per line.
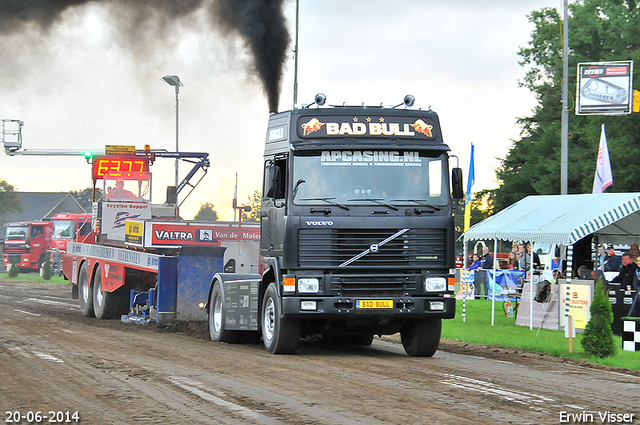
(26, 243)
(71, 227)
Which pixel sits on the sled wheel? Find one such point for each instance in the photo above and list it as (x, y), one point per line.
(279, 336)
(421, 337)
(107, 305)
(85, 294)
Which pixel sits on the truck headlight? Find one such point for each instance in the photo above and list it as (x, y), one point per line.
(435, 284)
(308, 285)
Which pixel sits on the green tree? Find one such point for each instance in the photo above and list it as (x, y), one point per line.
(599, 30)
(46, 267)
(255, 202)
(84, 197)
(206, 213)
(9, 199)
(597, 339)
(14, 271)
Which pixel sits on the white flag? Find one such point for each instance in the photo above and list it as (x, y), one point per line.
(604, 177)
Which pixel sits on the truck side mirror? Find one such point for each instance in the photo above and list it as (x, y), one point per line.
(274, 182)
(456, 183)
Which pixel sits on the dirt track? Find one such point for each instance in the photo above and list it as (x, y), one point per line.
(52, 359)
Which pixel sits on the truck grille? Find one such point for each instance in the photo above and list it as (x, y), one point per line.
(8, 249)
(328, 248)
(373, 285)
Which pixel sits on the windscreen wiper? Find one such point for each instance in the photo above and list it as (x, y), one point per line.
(419, 202)
(375, 200)
(327, 200)
(297, 186)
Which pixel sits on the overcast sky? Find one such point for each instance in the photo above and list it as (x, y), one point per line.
(84, 84)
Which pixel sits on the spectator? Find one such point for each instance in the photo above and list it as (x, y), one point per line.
(628, 271)
(476, 262)
(519, 251)
(634, 251)
(512, 261)
(612, 262)
(486, 262)
(536, 258)
(56, 258)
(524, 259)
(600, 258)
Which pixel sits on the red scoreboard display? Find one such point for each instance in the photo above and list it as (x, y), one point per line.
(119, 164)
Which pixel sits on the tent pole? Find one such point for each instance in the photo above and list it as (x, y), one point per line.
(567, 292)
(495, 279)
(531, 283)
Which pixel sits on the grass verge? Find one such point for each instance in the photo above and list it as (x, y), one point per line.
(33, 277)
(477, 329)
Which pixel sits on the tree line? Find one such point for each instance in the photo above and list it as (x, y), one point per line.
(599, 31)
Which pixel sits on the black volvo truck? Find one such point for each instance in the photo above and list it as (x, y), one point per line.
(357, 232)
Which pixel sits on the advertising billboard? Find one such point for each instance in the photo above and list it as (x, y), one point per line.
(604, 88)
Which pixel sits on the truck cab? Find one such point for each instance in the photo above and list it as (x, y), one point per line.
(357, 231)
(71, 227)
(26, 244)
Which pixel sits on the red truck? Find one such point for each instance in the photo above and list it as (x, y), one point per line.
(71, 227)
(26, 243)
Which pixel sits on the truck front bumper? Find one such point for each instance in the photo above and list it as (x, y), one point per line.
(368, 307)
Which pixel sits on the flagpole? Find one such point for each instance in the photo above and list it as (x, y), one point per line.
(564, 122)
(467, 221)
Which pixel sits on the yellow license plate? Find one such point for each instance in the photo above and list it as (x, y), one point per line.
(374, 303)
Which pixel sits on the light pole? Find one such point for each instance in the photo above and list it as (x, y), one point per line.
(174, 80)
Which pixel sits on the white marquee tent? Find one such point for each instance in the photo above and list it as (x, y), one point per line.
(564, 219)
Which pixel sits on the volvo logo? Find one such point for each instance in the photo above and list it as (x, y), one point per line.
(374, 248)
(319, 223)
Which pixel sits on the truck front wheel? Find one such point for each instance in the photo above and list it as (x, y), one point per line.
(280, 336)
(421, 338)
(85, 294)
(217, 319)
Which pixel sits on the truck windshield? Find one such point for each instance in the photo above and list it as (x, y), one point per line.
(17, 232)
(370, 178)
(63, 229)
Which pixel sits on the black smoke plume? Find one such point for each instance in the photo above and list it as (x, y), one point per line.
(260, 23)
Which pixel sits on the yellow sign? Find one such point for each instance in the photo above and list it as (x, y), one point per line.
(636, 101)
(374, 303)
(579, 303)
(133, 231)
(119, 150)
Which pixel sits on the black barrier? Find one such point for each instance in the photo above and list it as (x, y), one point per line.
(480, 283)
(621, 298)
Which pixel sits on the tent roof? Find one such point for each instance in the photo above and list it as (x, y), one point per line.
(565, 219)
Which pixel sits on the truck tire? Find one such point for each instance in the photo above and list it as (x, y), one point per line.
(107, 305)
(421, 337)
(85, 292)
(279, 336)
(217, 319)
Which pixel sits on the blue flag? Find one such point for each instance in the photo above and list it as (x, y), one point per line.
(472, 176)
